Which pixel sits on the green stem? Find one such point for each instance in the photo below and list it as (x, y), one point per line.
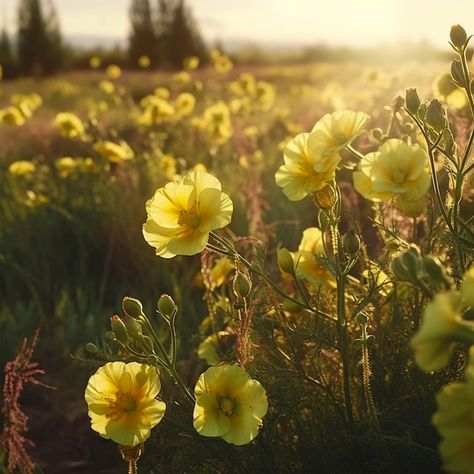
(356, 153)
(132, 466)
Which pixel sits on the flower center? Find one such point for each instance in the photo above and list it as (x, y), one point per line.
(189, 218)
(227, 406)
(122, 404)
(398, 176)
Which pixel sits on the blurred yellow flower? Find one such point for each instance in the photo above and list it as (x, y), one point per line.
(217, 348)
(217, 275)
(185, 103)
(69, 125)
(467, 287)
(95, 62)
(113, 71)
(442, 326)
(66, 166)
(190, 63)
(181, 78)
(181, 214)
(162, 92)
(454, 422)
(229, 404)
(446, 90)
(306, 262)
(12, 116)
(222, 64)
(122, 404)
(217, 123)
(22, 167)
(157, 110)
(106, 87)
(144, 61)
(305, 170)
(114, 152)
(395, 170)
(335, 131)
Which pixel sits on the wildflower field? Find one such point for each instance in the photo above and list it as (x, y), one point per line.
(239, 268)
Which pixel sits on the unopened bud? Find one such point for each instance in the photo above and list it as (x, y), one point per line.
(377, 134)
(132, 307)
(242, 285)
(412, 101)
(325, 198)
(362, 319)
(435, 272)
(435, 115)
(285, 261)
(351, 243)
(134, 328)
(166, 306)
(458, 36)
(119, 329)
(91, 348)
(398, 102)
(457, 74)
(412, 261)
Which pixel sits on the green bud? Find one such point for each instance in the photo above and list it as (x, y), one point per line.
(91, 348)
(362, 319)
(147, 343)
(132, 307)
(412, 100)
(398, 102)
(119, 329)
(435, 115)
(457, 73)
(412, 261)
(242, 285)
(166, 306)
(400, 270)
(458, 36)
(377, 134)
(351, 243)
(134, 328)
(285, 261)
(325, 198)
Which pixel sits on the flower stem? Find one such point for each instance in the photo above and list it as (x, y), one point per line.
(132, 466)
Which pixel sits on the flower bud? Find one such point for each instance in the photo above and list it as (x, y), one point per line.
(119, 329)
(398, 102)
(435, 115)
(458, 36)
(412, 100)
(166, 306)
(325, 198)
(285, 261)
(457, 73)
(134, 328)
(435, 272)
(377, 134)
(351, 243)
(242, 285)
(400, 270)
(91, 348)
(412, 261)
(132, 307)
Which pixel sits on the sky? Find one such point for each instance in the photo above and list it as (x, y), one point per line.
(291, 22)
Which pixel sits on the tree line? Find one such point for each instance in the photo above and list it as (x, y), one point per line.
(163, 31)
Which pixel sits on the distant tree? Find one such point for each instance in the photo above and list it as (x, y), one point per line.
(184, 38)
(142, 40)
(39, 38)
(162, 22)
(7, 60)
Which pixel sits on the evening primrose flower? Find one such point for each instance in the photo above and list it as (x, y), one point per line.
(442, 326)
(144, 61)
(306, 262)
(113, 71)
(229, 404)
(453, 420)
(396, 170)
(191, 62)
(446, 90)
(181, 214)
(335, 131)
(305, 170)
(157, 110)
(122, 402)
(114, 152)
(69, 125)
(95, 62)
(217, 123)
(217, 348)
(12, 115)
(21, 167)
(185, 103)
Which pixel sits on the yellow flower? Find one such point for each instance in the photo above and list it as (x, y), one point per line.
(95, 62)
(21, 167)
(157, 110)
(69, 124)
(442, 326)
(217, 275)
(396, 170)
(113, 71)
(122, 404)
(454, 422)
(229, 404)
(12, 116)
(114, 152)
(66, 166)
(217, 123)
(185, 103)
(181, 214)
(335, 131)
(144, 61)
(162, 93)
(217, 348)
(106, 87)
(191, 62)
(181, 78)
(446, 90)
(305, 170)
(305, 260)
(222, 64)
(467, 287)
